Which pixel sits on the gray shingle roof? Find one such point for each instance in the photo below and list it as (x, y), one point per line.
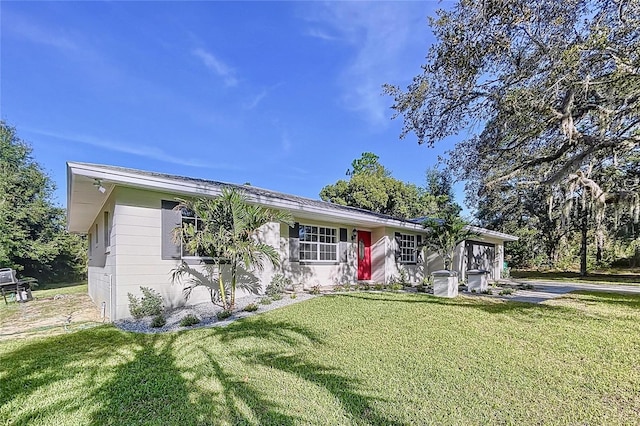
(260, 192)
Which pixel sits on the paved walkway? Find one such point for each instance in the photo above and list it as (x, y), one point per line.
(545, 290)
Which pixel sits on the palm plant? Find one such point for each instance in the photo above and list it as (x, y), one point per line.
(444, 234)
(227, 232)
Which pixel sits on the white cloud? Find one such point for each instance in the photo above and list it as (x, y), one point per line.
(217, 66)
(29, 30)
(256, 100)
(389, 42)
(145, 151)
(318, 33)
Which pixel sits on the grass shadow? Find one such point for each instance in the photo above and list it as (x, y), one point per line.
(342, 388)
(259, 327)
(149, 389)
(237, 393)
(49, 363)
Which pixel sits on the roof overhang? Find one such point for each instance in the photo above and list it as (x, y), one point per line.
(84, 200)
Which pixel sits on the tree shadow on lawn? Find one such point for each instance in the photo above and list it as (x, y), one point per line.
(52, 362)
(151, 389)
(259, 327)
(342, 388)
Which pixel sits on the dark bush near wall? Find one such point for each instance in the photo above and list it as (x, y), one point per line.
(151, 303)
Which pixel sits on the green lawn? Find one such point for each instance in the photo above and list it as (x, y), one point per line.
(613, 276)
(356, 358)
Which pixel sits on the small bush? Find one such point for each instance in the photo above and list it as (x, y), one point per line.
(277, 296)
(315, 289)
(251, 307)
(526, 286)
(378, 286)
(150, 304)
(158, 321)
(395, 287)
(488, 291)
(293, 295)
(189, 320)
(363, 286)
(338, 287)
(222, 315)
(506, 291)
(265, 301)
(278, 285)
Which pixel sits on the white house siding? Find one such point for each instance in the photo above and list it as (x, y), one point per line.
(308, 273)
(101, 260)
(414, 271)
(138, 251)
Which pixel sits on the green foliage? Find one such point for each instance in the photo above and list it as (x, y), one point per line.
(158, 321)
(396, 287)
(506, 291)
(444, 234)
(278, 285)
(33, 236)
(224, 314)
(371, 187)
(227, 233)
(315, 290)
(189, 320)
(550, 113)
(293, 296)
(265, 301)
(251, 307)
(149, 304)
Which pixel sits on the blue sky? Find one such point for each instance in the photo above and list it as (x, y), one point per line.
(281, 95)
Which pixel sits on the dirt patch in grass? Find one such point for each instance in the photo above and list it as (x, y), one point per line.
(53, 314)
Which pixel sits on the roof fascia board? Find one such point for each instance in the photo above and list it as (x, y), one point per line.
(196, 188)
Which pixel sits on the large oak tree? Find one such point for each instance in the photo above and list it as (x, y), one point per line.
(548, 93)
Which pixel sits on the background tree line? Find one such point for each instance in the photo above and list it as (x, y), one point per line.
(33, 236)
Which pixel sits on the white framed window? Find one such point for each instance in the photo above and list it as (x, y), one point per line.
(408, 248)
(318, 243)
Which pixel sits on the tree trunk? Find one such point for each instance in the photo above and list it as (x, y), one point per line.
(599, 244)
(584, 227)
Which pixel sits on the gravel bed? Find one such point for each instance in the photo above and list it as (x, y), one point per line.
(206, 312)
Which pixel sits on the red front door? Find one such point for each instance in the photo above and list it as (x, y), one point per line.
(364, 255)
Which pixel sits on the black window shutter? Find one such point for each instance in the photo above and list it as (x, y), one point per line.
(171, 219)
(343, 234)
(398, 244)
(419, 248)
(294, 242)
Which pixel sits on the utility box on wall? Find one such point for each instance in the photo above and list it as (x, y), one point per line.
(445, 283)
(477, 280)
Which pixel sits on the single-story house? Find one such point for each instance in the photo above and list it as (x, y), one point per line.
(128, 216)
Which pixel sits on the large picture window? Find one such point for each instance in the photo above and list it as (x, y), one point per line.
(318, 243)
(408, 248)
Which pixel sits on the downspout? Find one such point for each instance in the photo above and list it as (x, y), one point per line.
(111, 307)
